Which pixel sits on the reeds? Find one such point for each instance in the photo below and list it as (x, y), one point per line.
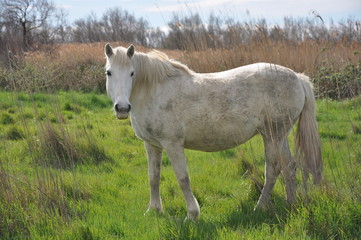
(80, 67)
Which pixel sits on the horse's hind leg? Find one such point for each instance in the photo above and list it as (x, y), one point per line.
(288, 165)
(272, 170)
(278, 157)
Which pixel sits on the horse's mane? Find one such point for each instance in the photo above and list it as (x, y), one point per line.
(156, 67)
(162, 56)
(150, 68)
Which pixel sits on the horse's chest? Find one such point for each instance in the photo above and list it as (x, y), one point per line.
(148, 131)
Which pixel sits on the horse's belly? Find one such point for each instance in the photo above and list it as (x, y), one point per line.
(219, 138)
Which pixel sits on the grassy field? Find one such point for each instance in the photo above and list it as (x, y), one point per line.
(70, 170)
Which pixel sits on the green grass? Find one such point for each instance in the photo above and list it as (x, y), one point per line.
(70, 170)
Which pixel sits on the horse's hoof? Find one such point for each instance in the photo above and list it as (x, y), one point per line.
(155, 210)
(260, 206)
(193, 215)
(189, 219)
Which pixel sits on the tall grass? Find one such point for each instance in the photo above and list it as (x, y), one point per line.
(81, 66)
(46, 195)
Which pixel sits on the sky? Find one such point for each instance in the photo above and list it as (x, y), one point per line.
(159, 13)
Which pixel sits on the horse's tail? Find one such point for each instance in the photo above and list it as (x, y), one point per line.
(308, 143)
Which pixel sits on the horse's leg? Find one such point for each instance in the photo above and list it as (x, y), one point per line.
(154, 161)
(288, 165)
(178, 160)
(272, 170)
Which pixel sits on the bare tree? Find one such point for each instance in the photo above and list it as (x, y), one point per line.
(115, 25)
(156, 37)
(62, 29)
(120, 25)
(28, 14)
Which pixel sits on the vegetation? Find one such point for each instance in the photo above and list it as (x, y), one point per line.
(28, 25)
(334, 67)
(70, 170)
(345, 83)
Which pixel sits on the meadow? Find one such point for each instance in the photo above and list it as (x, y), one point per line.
(70, 170)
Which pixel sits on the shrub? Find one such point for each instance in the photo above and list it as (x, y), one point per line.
(50, 76)
(339, 84)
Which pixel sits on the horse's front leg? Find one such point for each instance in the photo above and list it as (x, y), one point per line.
(179, 163)
(154, 161)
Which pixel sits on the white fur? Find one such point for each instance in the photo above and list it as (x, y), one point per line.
(174, 108)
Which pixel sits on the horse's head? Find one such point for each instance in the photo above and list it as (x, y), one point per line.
(119, 73)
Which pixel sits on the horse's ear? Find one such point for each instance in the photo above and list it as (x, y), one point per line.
(130, 51)
(108, 50)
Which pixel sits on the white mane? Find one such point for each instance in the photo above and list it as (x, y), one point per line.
(152, 67)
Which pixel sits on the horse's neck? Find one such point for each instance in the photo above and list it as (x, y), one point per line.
(143, 82)
(150, 71)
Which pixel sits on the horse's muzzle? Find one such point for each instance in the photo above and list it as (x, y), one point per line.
(121, 112)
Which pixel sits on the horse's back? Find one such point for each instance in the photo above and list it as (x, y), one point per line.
(263, 85)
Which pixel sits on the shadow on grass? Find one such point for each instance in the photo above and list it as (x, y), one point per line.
(178, 228)
(245, 217)
(242, 217)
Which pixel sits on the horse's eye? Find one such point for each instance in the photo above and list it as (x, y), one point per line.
(132, 74)
(108, 73)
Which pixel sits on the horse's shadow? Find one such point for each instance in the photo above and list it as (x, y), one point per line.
(179, 228)
(242, 217)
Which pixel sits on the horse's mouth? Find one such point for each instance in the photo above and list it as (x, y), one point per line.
(122, 116)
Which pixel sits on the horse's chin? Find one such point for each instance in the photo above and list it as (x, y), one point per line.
(122, 116)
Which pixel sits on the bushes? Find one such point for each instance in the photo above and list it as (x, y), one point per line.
(339, 84)
(50, 77)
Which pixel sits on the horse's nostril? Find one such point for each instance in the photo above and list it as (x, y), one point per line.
(117, 108)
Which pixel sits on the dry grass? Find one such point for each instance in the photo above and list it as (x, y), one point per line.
(80, 67)
(72, 54)
(305, 56)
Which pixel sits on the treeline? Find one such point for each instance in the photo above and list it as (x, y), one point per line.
(28, 24)
(191, 33)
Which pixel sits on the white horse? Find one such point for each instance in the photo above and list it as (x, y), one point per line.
(173, 108)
